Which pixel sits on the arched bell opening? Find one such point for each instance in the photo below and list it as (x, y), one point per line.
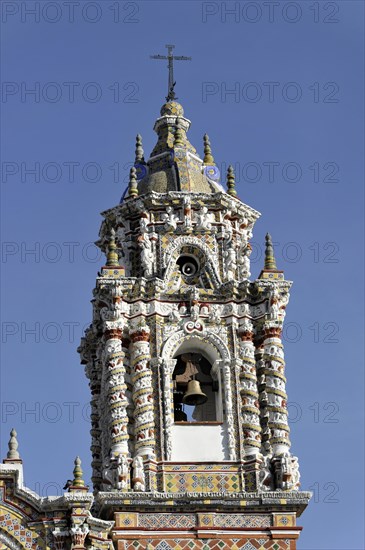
(195, 390)
(195, 439)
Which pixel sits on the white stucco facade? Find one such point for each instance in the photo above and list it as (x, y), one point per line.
(196, 442)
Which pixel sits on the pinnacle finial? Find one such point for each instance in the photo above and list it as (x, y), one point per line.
(13, 446)
(231, 182)
(139, 159)
(78, 473)
(133, 189)
(270, 262)
(208, 157)
(112, 258)
(179, 136)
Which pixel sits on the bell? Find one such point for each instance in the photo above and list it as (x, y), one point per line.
(179, 414)
(194, 395)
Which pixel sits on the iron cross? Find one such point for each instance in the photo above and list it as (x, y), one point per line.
(170, 57)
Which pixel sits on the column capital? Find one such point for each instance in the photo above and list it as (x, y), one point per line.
(246, 335)
(113, 334)
(140, 335)
(272, 331)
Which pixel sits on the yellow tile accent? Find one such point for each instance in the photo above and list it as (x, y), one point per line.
(126, 519)
(203, 480)
(206, 520)
(284, 520)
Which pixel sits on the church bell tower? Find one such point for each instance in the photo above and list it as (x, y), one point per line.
(189, 424)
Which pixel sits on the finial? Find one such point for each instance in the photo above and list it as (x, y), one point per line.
(270, 262)
(208, 157)
(112, 259)
(179, 136)
(78, 473)
(139, 151)
(13, 446)
(231, 182)
(133, 189)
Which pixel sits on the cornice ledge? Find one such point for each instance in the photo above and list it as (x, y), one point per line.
(100, 523)
(67, 500)
(232, 202)
(272, 497)
(74, 498)
(271, 283)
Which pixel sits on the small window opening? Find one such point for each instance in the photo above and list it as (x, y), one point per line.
(189, 268)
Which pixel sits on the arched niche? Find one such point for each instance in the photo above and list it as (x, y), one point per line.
(203, 261)
(199, 440)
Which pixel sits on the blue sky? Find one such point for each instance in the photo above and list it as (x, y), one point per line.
(294, 130)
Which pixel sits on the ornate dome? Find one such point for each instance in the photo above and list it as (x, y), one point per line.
(172, 108)
(174, 164)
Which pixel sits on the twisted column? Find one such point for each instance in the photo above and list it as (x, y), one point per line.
(93, 370)
(144, 426)
(116, 392)
(275, 389)
(250, 409)
(263, 400)
(95, 432)
(128, 383)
